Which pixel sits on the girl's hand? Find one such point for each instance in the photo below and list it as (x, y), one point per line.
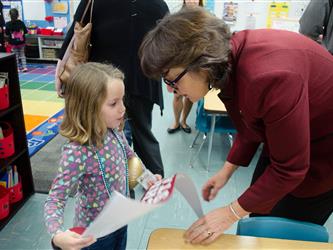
(209, 227)
(152, 181)
(69, 240)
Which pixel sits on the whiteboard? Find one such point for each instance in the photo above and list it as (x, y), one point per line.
(34, 9)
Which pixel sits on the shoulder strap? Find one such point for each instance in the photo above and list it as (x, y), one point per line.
(90, 2)
(329, 16)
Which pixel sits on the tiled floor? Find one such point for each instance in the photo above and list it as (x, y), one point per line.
(26, 230)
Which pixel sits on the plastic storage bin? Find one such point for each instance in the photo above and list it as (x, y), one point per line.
(15, 193)
(7, 147)
(4, 202)
(4, 97)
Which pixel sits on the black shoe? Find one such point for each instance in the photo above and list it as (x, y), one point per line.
(173, 130)
(187, 129)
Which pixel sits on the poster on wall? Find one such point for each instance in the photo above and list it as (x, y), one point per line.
(60, 7)
(60, 22)
(276, 11)
(290, 24)
(250, 22)
(34, 10)
(230, 12)
(209, 5)
(7, 5)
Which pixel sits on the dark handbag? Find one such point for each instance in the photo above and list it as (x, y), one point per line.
(78, 49)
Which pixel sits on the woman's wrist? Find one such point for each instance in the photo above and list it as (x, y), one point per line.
(228, 169)
(237, 211)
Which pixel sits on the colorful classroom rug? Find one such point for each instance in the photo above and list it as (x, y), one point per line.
(41, 106)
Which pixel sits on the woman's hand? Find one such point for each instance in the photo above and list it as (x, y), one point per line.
(215, 183)
(69, 240)
(209, 227)
(57, 82)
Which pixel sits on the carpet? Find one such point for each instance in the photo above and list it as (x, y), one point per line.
(44, 133)
(43, 113)
(39, 98)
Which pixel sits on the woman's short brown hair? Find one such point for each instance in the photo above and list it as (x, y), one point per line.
(84, 95)
(190, 35)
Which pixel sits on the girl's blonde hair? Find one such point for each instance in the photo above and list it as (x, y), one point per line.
(84, 95)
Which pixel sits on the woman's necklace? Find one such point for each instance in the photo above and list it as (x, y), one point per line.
(102, 167)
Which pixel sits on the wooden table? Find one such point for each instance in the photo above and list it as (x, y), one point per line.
(213, 104)
(167, 238)
(214, 107)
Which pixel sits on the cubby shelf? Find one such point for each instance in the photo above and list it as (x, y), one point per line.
(14, 115)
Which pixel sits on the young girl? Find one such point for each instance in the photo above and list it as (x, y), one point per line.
(95, 157)
(16, 31)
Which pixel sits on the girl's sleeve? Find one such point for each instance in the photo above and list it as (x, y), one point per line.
(25, 30)
(69, 172)
(7, 32)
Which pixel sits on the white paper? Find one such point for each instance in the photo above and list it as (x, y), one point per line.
(117, 212)
(120, 210)
(187, 188)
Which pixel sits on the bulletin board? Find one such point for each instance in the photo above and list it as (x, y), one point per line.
(7, 5)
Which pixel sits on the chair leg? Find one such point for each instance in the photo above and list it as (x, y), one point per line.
(231, 139)
(195, 139)
(195, 157)
(212, 129)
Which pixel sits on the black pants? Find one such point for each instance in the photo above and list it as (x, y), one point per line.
(315, 209)
(139, 111)
(2, 43)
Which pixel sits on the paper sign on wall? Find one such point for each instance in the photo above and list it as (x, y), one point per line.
(230, 12)
(60, 22)
(60, 7)
(276, 11)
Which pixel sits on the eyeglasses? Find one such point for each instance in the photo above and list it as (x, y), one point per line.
(173, 83)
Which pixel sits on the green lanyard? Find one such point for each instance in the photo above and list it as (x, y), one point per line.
(102, 167)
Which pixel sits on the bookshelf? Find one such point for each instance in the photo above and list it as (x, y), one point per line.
(43, 47)
(14, 115)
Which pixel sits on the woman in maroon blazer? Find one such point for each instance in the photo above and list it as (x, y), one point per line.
(277, 87)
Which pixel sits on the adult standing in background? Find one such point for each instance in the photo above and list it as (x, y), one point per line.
(277, 87)
(2, 24)
(317, 22)
(182, 105)
(118, 29)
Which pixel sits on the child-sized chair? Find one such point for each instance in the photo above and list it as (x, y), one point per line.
(206, 123)
(282, 228)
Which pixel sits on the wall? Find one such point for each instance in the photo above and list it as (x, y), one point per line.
(257, 9)
(35, 11)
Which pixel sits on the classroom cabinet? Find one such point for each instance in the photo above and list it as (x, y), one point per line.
(13, 115)
(43, 47)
